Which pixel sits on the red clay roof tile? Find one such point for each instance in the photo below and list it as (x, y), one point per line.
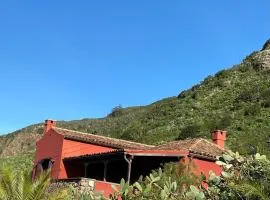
(101, 140)
(198, 147)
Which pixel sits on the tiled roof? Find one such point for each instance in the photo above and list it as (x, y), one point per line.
(101, 140)
(197, 147)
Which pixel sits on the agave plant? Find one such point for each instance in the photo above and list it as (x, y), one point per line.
(18, 185)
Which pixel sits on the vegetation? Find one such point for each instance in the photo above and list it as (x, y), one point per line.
(242, 178)
(18, 185)
(20, 162)
(174, 182)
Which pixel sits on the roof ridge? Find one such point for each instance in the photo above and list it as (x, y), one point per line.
(193, 145)
(104, 137)
(213, 144)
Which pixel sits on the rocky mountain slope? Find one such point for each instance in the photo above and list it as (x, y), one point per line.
(236, 99)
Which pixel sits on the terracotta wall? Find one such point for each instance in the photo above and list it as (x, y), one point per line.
(74, 148)
(53, 145)
(105, 187)
(204, 166)
(50, 146)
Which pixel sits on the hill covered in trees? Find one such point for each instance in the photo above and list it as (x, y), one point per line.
(235, 99)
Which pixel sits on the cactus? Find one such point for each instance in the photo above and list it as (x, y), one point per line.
(195, 194)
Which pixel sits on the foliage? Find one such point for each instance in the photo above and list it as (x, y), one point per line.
(83, 195)
(266, 45)
(243, 178)
(190, 131)
(18, 185)
(164, 185)
(22, 162)
(116, 111)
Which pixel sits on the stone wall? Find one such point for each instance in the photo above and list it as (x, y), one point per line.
(77, 185)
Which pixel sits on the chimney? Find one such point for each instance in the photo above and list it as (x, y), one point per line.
(48, 125)
(219, 137)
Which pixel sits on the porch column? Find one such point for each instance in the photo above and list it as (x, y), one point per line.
(105, 163)
(129, 161)
(85, 169)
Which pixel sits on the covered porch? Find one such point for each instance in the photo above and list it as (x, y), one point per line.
(115, 165)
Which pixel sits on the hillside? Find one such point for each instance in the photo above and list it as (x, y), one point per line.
(235, 99)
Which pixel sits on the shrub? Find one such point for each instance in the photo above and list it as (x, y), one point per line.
(266, 94)
(252, 110)
(184, 94)
(244, 67)
(117, 111)
(247, 96)
(164, 184)
(224, 122)
(223, 73)
(243, 178)
(220, 123)
(266, 45)
(266, 104)
(189, 131)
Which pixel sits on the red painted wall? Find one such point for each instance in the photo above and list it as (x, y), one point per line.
(53, 145)
(50, 146)
(105, 187)
(204, 166)
(74, 148)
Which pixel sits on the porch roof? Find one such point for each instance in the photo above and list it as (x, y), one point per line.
(131, 152)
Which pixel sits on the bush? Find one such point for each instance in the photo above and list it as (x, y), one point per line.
(242, 178)
(247, 96)
(266, 94)
(117, 111)
(190, 131)
(164, 184)
(252, 110)
(224, 122)
(219, 123)
(223, 73)
(266, 45)
(266, 104)
(244, 68)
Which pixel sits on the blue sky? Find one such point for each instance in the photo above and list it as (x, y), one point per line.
(78, 59)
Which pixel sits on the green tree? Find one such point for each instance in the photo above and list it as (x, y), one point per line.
(190, 131)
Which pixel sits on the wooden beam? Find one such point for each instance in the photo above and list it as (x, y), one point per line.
(105, 170)
(85, 169)
(129, 161)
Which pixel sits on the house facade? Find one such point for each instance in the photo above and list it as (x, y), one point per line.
(72, 154)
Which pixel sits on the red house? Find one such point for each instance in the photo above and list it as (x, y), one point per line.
(72, 154)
